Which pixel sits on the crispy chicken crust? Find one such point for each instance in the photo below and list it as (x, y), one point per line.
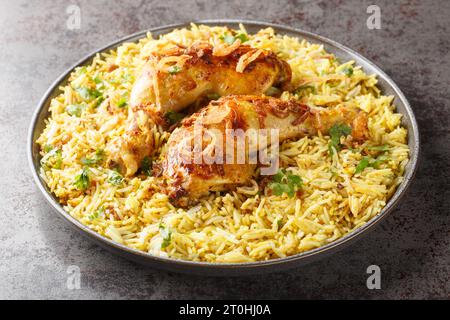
(174, 80)
(188, 179)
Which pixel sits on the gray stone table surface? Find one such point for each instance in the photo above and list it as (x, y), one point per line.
(411, 246)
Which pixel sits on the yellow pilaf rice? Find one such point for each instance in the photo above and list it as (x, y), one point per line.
(242, 226)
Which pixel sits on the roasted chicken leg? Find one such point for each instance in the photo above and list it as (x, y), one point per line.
(206, 133)
(172, 81)
(181, 77)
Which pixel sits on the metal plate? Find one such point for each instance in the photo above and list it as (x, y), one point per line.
(343, 53)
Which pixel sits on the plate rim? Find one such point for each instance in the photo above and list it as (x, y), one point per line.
(303, 257)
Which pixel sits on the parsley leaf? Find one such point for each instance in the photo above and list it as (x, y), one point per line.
(293, 179)
(82, 181)
(115, 178)
(378, 161)
(88, 94)
(166, 235)
(48, 148)
(75, 109)
(364, 163)
(122, 102)
(278, 177)
(98, 157)
(384, 147)
(81, 70)
(370, 162)
(285, 182)
(230, 39)
(336, 132)
(373, 162)
(243, 37)
(53, 158)
(84, 93)
(58, 162)
(98, 81)
(280, 224)
(99, 101)
(279, 188)
(99, 212)
(348, 71)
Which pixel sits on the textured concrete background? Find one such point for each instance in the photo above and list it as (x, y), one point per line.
(411, 246)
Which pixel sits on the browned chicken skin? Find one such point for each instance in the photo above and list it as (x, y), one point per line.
(181, 77)
(172, 81)
(189, 179)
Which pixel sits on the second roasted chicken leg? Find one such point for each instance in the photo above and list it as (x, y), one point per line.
(190, 176)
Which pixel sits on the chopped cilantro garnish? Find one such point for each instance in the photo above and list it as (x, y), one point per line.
(82, 181)
(98, 156)
(174, 69)
(99, 212)
(243, 37)
(75, 109)
(280, 223)
(97, 80)
(99, 83)
(383, 148)
(99, 101)
(52, 159)
(84, 93)
(230, 39)
(336, 132)
(285, 182)
(364, 163)
(369, 162)
(115, 178)
(293, 179)
(173, 117)
(166, 235)
(88, 94)
(81, 70)
(48, 148)
(373, 162)
(58, 161)
(376, 163)
(348, 71)
(122, 102)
